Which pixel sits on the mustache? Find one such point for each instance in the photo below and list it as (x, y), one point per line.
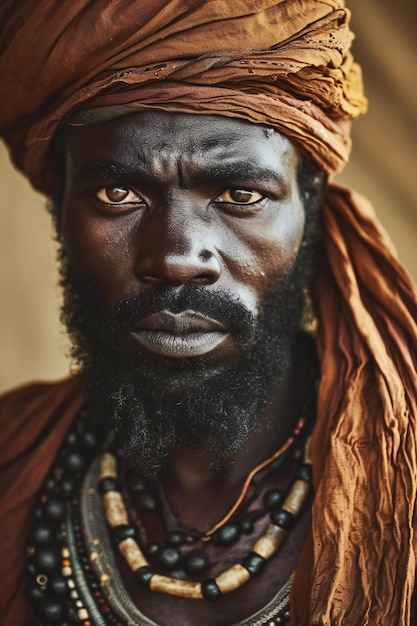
(218, 305)
(86, 312)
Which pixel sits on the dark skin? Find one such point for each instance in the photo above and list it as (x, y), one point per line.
(164, 199)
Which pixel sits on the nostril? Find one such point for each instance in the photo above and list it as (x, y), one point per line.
(176, 269)
(205, 255)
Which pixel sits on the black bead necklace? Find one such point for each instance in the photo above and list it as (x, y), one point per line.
(173, 554)
(282, 518)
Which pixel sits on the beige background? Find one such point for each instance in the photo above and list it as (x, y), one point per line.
(383, 167)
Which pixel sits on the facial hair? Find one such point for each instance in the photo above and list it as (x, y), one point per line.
(157, 404)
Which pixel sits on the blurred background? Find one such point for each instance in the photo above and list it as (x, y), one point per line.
(382, 167)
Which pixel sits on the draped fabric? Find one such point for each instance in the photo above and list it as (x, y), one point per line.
(287, 64)
(280, 62)
(363, 542)
(33, 422)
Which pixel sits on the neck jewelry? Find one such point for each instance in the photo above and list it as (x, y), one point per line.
(66, 582)
(284, 511)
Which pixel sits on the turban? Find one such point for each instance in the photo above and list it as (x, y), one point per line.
(286, 64)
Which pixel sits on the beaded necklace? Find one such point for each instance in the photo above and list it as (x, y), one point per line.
(112, 585)
(282, 517)
(178, 551)
(68, 583)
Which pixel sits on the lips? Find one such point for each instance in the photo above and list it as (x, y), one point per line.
(179, 335)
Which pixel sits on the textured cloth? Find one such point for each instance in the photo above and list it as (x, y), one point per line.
(364, 449)
(33, 424)
(284, 63)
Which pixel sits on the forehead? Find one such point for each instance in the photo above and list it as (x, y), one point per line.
(162, 140)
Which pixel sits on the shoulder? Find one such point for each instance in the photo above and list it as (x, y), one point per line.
(31, 394)
(28, 412)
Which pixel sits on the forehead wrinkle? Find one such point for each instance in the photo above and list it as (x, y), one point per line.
(208, 140)
(181, 161)
(165, 163)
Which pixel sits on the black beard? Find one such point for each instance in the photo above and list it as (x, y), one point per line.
(156, 404)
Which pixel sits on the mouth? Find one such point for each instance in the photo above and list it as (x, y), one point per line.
(179, 335)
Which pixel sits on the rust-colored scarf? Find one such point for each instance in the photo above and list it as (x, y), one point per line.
(287, 64)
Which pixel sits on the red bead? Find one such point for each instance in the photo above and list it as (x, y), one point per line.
(105, 608)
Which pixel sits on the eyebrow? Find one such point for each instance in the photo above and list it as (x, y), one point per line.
(102, 169)
(238, 171)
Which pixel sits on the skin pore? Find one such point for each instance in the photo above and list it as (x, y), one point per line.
(181, 236)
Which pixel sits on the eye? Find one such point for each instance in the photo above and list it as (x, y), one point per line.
(118, 195)
(240, 196)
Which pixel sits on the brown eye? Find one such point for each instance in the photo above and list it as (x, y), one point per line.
(240, 196)
(117, 195)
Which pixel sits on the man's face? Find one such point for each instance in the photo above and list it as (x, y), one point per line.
(180, 235)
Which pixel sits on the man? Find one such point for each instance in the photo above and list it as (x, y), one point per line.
(185, 147)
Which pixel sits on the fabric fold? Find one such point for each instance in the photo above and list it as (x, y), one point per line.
(364, 445)
(264, 62)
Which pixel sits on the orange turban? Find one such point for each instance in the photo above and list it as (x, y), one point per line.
(283, 63)
(286, 64)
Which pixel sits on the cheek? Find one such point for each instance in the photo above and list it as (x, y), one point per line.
(264, 251)
(280, 250)
(99, 249)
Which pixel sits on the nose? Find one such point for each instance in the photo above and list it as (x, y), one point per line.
(175, 247)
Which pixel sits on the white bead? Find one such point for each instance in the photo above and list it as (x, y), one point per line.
(82, 614)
